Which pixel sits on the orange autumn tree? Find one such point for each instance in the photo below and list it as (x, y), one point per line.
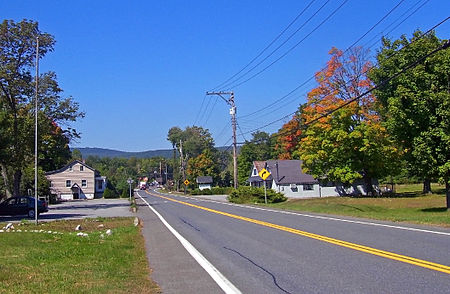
(351, 143)
(288, 137)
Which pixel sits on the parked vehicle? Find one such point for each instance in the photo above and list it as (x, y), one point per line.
(22, 205)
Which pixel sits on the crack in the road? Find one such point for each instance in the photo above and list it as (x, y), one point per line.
(189, 224)
(260, 267)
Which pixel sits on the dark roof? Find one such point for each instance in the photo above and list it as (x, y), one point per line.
(284, 172)
(69, 165)
(204, 180)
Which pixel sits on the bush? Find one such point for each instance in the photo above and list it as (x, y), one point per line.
(201, 192)
(109, 193)
(221, 190)
(246, 194)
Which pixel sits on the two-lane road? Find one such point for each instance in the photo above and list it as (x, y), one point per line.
(264, 251)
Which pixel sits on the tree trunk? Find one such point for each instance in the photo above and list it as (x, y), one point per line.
(368, 184)
(16, 183)
(447, 193)
(426, 186)
(6, 181)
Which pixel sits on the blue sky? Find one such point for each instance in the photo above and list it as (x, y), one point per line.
(138, 68)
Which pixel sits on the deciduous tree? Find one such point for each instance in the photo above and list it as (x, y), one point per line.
(417, 103)
(351, 143)
(17, 57)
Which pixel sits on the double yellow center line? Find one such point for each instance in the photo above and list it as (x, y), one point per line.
(370, 250)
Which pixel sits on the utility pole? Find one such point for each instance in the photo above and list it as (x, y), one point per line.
(183, 165)
(36, 110)
(230, 101)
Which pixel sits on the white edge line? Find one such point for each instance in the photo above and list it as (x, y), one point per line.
(323, 217)
(215, 274)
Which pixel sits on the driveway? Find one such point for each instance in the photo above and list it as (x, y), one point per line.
(81, 209)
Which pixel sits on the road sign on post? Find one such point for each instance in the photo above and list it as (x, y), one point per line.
(264, 174)
(130, 181)
(186, 182)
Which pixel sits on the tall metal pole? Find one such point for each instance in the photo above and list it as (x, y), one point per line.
(230, 102)
(36, 135)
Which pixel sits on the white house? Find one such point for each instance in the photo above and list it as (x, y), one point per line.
(204, 182)
(76, 180)
(288, 178)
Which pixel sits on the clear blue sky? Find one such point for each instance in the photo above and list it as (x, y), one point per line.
(138, 68)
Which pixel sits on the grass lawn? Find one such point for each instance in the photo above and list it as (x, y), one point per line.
(43, 262)
(407, 205)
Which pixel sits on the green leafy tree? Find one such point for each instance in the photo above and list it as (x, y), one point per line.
(17, 57)
(258, 148)
(417, 103)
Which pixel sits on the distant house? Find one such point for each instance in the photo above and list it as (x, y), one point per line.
(204, 182)
(288, 178)
(76, 180)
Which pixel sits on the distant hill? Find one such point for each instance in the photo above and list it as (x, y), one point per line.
(102, 152)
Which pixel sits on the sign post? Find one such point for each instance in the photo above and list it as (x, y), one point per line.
(130, 181)
(186, 183)
(264, 174)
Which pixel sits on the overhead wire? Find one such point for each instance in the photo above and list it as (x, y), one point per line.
(279, 46)
(384, 82)
(346, 50)
(268, 46)
(290, 49)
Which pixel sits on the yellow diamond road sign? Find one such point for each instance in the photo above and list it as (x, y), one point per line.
(186, 182)
(264, 174)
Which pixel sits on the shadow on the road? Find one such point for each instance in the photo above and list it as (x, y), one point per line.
(41, 217)
(258, 266)
(96, 206)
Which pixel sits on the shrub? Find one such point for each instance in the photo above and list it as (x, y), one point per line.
(109, 193)
(246, 194)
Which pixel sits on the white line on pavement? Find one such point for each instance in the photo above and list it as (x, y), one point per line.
(215, 274)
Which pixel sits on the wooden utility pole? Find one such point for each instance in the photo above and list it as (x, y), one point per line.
(230, 101)
(183, 165)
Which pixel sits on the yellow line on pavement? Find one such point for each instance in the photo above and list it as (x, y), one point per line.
(370, 250)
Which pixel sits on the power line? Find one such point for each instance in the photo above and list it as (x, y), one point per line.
(384, 82)
(369, 68)
(200, 110)
(279, 46)
(312, 77)
(290, 49)
(268, 46)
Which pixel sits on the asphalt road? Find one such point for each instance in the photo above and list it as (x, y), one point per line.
(81, 209)
(262, 251)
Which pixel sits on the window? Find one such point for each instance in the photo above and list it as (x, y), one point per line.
(83, 183)
(68, 183)
(308, 187)
(81, 168)
(70, 168)
(100, 185)
(51, 184)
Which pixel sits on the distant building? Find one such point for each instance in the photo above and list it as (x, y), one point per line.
(204, 182)
(76, 180)
(288, 178)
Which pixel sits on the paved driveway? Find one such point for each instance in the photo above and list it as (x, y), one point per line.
(81, 209)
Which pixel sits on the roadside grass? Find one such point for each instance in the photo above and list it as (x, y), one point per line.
(44, 262)
(407, 205)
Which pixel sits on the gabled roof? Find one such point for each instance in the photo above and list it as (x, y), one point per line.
(69, 165)
(204, 180)
(283, 172)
